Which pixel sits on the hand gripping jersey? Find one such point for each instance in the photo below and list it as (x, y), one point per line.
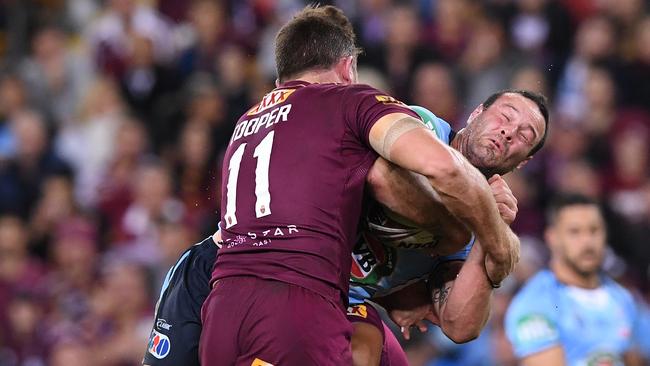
(386, 257)
(593, 326)
(294, 174)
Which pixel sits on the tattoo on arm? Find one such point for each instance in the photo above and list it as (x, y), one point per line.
(439, 295)
(441, 281)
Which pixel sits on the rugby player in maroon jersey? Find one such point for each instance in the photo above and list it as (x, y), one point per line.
(294, 171)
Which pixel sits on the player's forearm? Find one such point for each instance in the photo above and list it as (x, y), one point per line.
(411, 196)
(465, 310)
(467, 195)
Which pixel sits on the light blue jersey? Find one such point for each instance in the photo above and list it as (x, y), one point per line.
(593, 326)
(384, 259)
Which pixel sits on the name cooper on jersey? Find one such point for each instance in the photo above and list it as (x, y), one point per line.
(253, 125)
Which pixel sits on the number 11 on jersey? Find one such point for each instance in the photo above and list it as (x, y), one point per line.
(263, 198)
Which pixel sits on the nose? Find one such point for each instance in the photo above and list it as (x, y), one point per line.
(507, 134)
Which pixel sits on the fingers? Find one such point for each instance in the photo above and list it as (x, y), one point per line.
(406, 332)
(506, 201)
(422, 326)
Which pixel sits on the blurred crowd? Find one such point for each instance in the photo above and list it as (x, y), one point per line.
(114, 115)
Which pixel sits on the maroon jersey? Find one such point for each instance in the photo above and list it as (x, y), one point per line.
(293, 179)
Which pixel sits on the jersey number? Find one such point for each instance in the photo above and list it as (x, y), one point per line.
(263, 202)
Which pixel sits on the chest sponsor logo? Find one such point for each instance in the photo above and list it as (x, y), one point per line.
(159, 345)
(535, 327)
(358, 310)
(270, 100)
(371, 260)
(604, 359)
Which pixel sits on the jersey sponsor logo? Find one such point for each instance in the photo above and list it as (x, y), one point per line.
(159, 345)
(261, 238)
(270, 100)
(162, 324)
(371, 260)
(358, 310)
(603, 359)
(387, 99)
(258, 362)
(535, 327)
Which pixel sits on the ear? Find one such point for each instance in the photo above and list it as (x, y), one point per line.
(277, 83)
(521, 165)
(478, 110)
(345, 70)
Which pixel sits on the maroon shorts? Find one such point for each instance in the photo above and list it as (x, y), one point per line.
(392, 353)
(249, 321)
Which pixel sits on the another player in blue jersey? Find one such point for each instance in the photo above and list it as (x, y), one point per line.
(573, 313)
(393, 255)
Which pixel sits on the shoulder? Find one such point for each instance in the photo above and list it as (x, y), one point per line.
(533, 303)
(438, 125)
(531, 320)
(535, 293)
(620, 293)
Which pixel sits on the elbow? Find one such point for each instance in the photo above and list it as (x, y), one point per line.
(462, 329)
(460, 335)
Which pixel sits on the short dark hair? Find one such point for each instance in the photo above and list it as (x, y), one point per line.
(563, 200)
(317, 37)
(538, 99)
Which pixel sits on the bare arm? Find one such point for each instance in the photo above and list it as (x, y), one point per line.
(411, 196)
(633, 358)
(367, 344)
(551, 356)
(403, 140)
(461, 294)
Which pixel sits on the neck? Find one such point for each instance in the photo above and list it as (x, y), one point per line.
(318, 77)
(566, 274)
(460, 142)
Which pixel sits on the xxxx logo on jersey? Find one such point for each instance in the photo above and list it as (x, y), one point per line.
(371, 260)
(270, 100)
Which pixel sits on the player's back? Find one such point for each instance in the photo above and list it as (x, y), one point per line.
(294, 174)
(592, 325)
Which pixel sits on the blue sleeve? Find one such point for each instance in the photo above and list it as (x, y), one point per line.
(531, 323)
(434, 123)
(641, 330)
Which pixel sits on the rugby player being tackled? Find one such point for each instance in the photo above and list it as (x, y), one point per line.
(428, 266)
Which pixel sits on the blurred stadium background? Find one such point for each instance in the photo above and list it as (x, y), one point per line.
(114, 115)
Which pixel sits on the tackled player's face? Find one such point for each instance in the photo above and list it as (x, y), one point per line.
(500, 137)
(577, 238)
